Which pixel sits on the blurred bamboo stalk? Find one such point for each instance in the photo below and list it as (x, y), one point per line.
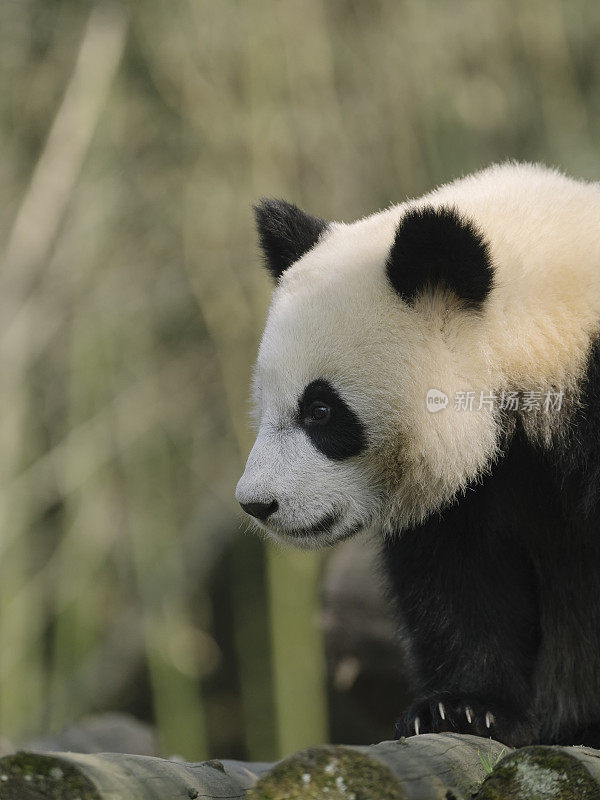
(298, 657)
(59, 165)
(33, 234)
(232, 326)
(172, 641)
(174, 646)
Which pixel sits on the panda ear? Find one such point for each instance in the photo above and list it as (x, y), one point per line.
(438, 247)
(285, 233)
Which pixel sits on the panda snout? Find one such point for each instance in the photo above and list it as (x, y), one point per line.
(260, 510)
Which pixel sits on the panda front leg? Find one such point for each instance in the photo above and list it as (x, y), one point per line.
(469, 615)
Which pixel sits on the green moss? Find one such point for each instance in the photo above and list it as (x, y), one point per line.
(31, 776)
(328, 773)
(539, 773)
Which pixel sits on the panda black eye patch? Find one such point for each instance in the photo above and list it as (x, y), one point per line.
(330, 424)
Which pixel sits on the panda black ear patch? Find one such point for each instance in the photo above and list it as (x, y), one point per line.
(285, 233)
(438, 247)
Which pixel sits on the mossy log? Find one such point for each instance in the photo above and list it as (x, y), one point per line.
(430, 766)
(545, 773)
(443, 766)
(114, 776)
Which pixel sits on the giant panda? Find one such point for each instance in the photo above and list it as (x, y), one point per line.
(431, 373)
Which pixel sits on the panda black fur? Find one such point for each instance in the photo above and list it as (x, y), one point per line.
(490, 517)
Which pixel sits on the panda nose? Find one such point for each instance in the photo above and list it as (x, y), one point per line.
(260, 510)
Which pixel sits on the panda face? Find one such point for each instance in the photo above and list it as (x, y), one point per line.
(344, 437)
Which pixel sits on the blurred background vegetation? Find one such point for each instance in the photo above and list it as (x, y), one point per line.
(134, 140)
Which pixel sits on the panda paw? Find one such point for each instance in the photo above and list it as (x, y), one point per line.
(461, 714)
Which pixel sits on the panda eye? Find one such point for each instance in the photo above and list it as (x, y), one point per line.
(317, 413)
(329, 423)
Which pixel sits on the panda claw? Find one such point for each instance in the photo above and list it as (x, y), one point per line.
(417, 726)
(469, 715)
(442, 710)
(489, 719)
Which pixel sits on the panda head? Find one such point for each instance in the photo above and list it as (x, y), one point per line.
(366, 321)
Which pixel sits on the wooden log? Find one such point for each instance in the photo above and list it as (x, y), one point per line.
(445, 766)
(114, 776)
(545, 773)
(428, 767)
(442, 766)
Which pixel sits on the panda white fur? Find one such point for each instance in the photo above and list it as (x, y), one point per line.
(486, 292)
